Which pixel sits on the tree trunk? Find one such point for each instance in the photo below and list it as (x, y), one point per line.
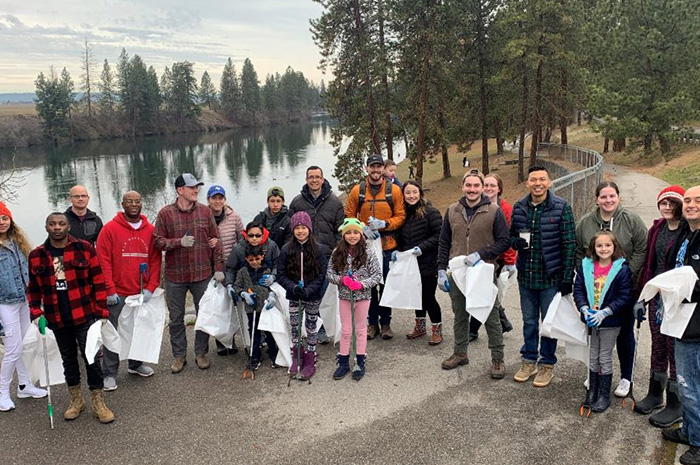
(483, 98)
(564, 110)
(537, 123)
(619, 145)
(446, 171)
(578, 118)
(422, 108)
(385, 86)
(606, 145)
(523, 124)
(665, 144)
(371, 109)
(497, 135)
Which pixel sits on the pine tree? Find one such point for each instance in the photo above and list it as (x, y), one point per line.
(53, 101)
(106, 85)
(230, 92)
(250, 90)
(207, 92)
(184, 91)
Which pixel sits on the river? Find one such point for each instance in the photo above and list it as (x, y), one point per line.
(245, 162)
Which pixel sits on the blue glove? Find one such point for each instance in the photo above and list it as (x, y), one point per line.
(271, 300)
(113, 299)
(585, 310)
(511, 269)
(640, 311)
(472, 259)
(370, 233)
(594, 319)
(443, 282)
(376, 224)
(232, 294)
(417, 251)
(248, 298)
(147, 295)
(266, 280)
(394, 256)
(301, 284)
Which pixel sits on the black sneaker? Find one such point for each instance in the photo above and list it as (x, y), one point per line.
(691, 456)
(322, 336)
(254, 365)
(675, 435)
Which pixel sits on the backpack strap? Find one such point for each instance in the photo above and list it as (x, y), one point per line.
(389, 198)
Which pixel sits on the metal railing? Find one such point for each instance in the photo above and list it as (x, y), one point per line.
(577, 188)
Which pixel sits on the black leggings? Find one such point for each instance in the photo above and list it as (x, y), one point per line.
(430, 303)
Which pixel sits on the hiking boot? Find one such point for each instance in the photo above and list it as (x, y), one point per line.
(603, 401)
(455, 360)
(109, 383)
(77, 404)
(498, 369)
(31, 391)
(526, 370)
(544, 376)
(141, 370)
(436, 336)
(359, 374)
(178, 364)
(675, 435)
(623, 388)
(99, 408)
(202, 362)
(673, 412)
(6, 403)
(691, 456)
(418, 329)
(372, 331)
(310, 361)
(322, 336)
(343, 369)
(297, 361)
(386, 332)
(655, 396)
(505, 324)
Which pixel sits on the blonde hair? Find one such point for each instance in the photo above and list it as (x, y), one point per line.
(16, 234)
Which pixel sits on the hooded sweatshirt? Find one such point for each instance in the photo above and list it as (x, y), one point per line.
(278, 225)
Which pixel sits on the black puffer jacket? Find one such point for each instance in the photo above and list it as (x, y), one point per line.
(279, 225)
(424, 233)
(327, 213)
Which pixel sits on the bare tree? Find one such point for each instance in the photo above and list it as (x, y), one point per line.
(88, 66)
(11, 179)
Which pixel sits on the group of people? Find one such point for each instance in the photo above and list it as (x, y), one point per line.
(84, 271)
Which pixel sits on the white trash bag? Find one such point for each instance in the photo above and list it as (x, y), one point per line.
(141, 327)
(403, 287)
(674, 286)
(101, 334)
(33, 357)
(215, 315)
(376, 246)
(563, 322)
(503, 283)
(476, 283)
(330, 311)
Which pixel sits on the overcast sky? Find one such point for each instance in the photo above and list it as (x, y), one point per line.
(274, 34)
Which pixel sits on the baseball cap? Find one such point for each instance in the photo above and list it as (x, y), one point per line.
(187, 180)
(372, 159)
(213, 190)
(275, 191)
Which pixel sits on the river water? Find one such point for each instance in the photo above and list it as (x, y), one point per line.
(245, 162)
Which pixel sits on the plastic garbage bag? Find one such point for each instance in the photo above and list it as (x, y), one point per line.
(33, 357)
(330, 312)
(376, 246)
(141, 327)
(101, 334)
(503, 283)
(563, 321)
(674, 286)
(215, 316)
(476, 283)
(403, 287)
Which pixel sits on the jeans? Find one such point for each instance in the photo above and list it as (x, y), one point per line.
(688, 374)
(110, 360)
(625, 346)
(69, 340)
(377, 313)
(175, 294)
(534, 304)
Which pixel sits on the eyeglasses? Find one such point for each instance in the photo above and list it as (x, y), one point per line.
(666, 203)
(79, 196)
(132, 201)
(314, 178)
(255, 235)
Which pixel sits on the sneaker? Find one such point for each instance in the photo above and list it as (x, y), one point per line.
(202, 362)
(454, 361)
(323, 336)
(691, 456)
(544, 376)
(178, 364)
(31, 391)
(526, 370)
(675, 435)
(372, 331)
(6, 403)
(109, 383)
(141, 370)
(498, 369)
(274, 365)
(254, 365)
(386, 332)
(623, 388)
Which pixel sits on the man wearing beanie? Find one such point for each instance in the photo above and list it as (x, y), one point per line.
(378, 203)
(84, 223)
(275, 217)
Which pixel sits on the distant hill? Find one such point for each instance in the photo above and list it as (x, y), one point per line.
(24, 97)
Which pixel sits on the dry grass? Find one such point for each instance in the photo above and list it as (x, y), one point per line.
(17, 109)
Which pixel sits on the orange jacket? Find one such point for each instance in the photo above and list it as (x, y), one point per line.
(379, 208)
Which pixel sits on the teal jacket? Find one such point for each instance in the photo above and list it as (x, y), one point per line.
(616, 294)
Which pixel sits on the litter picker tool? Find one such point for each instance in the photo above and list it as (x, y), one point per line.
(143, 269)
(630, 394)
(355, 366)
(249, 368)
(245, 349)
(300, 320)
(586, 409)
(42, 330)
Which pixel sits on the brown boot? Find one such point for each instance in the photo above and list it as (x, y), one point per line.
(372, 331)
(99, 408)
(454, 361)
(436, 337)
(498, 369)
(77, 404)
(418, 329)
(386, 332)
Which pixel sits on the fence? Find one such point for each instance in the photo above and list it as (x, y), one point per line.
(577, 188)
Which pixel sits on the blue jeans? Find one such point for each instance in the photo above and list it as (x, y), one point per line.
(534, 304)
(377, 313)
(688, 375)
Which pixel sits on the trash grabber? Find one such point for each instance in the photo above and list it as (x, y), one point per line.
(248, 368)
(585, 409)
(355, 366)
(143, 269)
(630, 394)
(42, 330)
(245, 349)
(300, 320)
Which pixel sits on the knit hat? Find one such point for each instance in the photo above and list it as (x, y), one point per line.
(301, 219)
(275, 191)
(4, 210)
(671, 192)
(351, 224)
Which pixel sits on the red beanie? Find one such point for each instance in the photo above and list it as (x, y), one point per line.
(671, 192)
(4, 210)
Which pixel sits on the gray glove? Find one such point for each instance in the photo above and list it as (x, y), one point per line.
(113, 299)
(443, 282)
(219, 277)
(472, 259)
(187, 241)
(271, 300)
(510, 269)
(147, 295)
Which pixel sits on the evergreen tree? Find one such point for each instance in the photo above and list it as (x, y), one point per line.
(230, 92)
(53, 101)
(184, 91)
(250, 89)
(108, 99)
(207, 92)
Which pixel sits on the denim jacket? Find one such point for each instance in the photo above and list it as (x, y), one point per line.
(14, 274)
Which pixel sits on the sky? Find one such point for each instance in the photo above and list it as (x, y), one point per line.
(274, 34)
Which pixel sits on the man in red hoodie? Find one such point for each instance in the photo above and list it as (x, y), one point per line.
(124, 245)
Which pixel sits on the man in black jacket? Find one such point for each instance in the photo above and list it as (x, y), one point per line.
(84, 223)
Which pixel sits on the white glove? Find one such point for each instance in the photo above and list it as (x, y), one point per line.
(417, 251)
(376, 224)
(472, 259)
(219, 277)
(271, 300)
(187, 241)
(511, 269)
(147, 295)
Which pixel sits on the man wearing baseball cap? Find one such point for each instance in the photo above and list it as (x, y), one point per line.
(379, 205)
(183, 231)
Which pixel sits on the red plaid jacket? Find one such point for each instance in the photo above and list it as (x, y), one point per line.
(86, 284)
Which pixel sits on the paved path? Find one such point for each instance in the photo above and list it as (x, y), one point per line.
(406, 410)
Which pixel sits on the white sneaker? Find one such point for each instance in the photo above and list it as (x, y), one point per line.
(109, 383)
(585, 383)
(623, 388)
(141, 370)
(31, 391)
(6, 403)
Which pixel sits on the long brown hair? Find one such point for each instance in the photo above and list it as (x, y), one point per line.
(339, 259)
(420, 206)
(312, 265)
(617, 253)
(16, 234)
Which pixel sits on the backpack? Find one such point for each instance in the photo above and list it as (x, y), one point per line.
(387, 195)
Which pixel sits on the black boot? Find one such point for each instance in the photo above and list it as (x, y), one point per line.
(593, 386)
(343, 367)
(603, 402)
(655, 396)
(672, 413)
(359, 374)
(505, 324)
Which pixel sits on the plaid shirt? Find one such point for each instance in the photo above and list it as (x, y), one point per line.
(188, 264)
(534, 275)
(86, 285)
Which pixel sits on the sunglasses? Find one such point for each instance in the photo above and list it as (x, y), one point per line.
(255, 235)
